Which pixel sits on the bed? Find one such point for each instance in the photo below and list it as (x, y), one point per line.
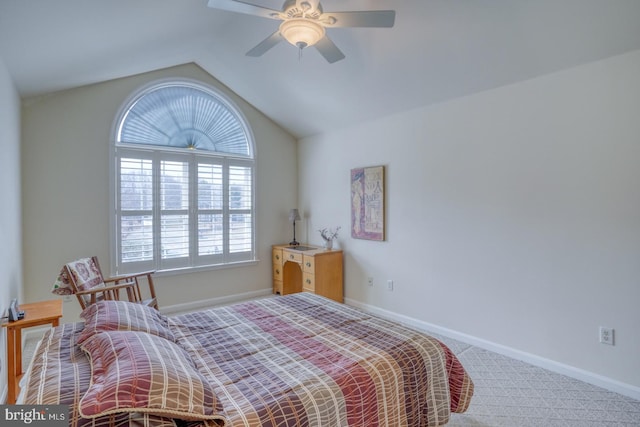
(295, 360)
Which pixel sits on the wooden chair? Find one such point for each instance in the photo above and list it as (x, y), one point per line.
(83, 278)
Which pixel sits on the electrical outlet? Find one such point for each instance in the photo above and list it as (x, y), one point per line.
(389, 285)
(606, 335)
(370, 281)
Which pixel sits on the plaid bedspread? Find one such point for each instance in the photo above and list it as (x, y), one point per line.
(303, 360)
(296, 360)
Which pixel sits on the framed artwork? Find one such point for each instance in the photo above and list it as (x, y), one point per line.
(367, 203)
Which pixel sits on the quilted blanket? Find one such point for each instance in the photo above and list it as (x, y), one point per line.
(295, 360)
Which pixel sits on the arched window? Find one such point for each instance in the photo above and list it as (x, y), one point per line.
(183, 157)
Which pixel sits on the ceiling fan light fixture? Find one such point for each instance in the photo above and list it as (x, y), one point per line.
(301, 32)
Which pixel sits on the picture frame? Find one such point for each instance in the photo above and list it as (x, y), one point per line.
(368, 203)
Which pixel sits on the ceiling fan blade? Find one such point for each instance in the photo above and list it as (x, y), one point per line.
(266, 44)
(329, 50)
(368, 18)
(244, 7)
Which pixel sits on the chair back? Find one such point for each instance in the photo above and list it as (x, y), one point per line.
(83, 278)
(84, 275)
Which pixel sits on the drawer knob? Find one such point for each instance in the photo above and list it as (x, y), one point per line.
(277, 256)
(308, 281)
(277, 271)
(308, 264)
(291, 257)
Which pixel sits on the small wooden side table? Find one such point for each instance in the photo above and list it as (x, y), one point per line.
(307, 268)
(35, 314)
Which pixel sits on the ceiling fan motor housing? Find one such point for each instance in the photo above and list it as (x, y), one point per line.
(305, 8)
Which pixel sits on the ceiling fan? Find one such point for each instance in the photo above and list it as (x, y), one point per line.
(304, 22)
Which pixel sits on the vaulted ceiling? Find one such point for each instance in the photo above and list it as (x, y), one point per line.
(437, 50)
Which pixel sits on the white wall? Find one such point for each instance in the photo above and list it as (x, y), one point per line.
(66, 139)
(10, 223)
(513, 215)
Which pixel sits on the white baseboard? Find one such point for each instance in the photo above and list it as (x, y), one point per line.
(211, 302)
(551, 365)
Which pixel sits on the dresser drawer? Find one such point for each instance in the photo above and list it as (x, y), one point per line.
(308, 264)
(292, 256)
(277, 272)
(308, 282)
(276, 256)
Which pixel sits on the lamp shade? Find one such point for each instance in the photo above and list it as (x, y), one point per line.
(301, 32)
(294, 215)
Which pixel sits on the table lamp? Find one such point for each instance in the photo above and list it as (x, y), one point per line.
(294, 216)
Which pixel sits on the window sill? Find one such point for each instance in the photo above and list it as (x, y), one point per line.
(188, 270)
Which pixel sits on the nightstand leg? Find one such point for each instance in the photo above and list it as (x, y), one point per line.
(18, 345)
(11, 365)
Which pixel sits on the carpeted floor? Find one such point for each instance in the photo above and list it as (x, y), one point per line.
(512, 393)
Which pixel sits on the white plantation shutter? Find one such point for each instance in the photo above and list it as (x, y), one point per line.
(136, 210)
(174, 214)
(180, 114)
(184, 169)
(240, 209)
(210, 210)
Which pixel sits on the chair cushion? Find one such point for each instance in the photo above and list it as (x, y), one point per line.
(86, 275)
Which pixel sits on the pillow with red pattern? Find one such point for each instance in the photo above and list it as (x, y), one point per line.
(138, 372)
(110, 315)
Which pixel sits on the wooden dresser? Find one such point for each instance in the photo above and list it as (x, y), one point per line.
(307, 268)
